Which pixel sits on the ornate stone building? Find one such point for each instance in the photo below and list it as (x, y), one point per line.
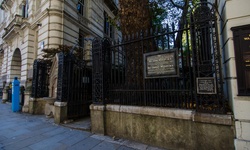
(28, 26)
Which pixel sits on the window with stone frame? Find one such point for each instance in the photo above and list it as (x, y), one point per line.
(80, 7)
(108, 28)
(25, 9)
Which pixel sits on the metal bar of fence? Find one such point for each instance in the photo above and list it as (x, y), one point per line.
(147, 90)
(148, 37)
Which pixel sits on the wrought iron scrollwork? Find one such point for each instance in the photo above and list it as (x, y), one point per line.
(97, 71)
(40, 80)
(206, 55)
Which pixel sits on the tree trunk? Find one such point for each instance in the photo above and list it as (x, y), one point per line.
(134, 17)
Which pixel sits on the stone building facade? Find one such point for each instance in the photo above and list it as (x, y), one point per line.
(28, 26)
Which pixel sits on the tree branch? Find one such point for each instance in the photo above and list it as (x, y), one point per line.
(175, 5)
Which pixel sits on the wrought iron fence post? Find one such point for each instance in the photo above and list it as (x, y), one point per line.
(60, 82)
(101, 70)
(97, 71)
(206, 59)
(106, 51)
(35, 80)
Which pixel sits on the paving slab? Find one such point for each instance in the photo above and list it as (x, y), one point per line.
(125, 148)
(87, 143)
(106, 146)
(76, 138)
(2, 138)
(18, 144)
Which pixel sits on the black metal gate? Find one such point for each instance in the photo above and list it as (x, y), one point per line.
(40, 80)
(207, 58)
(74, 85)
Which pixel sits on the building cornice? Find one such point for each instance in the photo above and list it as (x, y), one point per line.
(12, 28)
(6, 4)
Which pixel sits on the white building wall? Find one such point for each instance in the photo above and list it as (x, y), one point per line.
(235, 13)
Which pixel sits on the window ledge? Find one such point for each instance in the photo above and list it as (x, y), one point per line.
(242, 98)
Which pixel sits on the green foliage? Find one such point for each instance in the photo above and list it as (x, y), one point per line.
(158, 11)
(115, 22)
(162, 12)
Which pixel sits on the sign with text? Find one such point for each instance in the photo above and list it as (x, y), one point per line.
(206, 85)
(161, 64)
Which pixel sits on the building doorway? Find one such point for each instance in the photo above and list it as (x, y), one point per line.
(16, 64)
(241, 36)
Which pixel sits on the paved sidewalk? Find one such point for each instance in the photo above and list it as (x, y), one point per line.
(21, 131)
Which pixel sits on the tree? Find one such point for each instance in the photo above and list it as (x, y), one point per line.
(134, 16)
(138, 15)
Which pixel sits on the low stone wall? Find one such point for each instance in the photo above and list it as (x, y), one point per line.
(49, 107)
(41, 106)
(164, 127)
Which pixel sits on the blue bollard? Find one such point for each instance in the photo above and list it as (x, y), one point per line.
(15, 95)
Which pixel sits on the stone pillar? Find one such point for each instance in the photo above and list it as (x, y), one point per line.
(60, 112)
(97, 114)
(26, 101)
(5, 94)
(32, 103)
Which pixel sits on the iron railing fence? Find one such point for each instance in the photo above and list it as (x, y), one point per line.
(119, 66)
(127, 85)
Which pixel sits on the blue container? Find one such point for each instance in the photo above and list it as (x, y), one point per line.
(15, 95)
